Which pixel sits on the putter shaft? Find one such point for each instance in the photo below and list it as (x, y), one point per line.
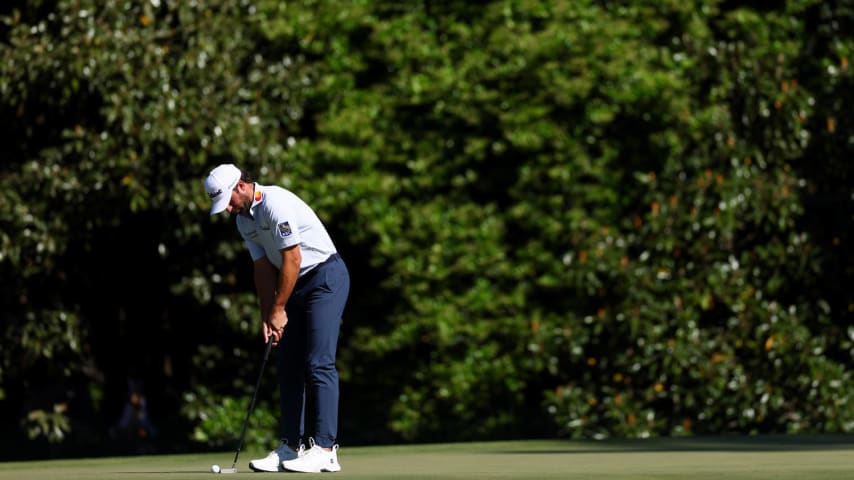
(251, 406)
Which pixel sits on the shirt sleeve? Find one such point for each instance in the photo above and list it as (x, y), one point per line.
(256, 250)
(283, 225)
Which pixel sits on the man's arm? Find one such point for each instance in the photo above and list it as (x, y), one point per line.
(288, 273)
(265, 285)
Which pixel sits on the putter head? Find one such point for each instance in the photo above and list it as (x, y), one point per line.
(228, 470)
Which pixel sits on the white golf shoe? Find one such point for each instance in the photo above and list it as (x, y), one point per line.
(314, 460)
(273, 461)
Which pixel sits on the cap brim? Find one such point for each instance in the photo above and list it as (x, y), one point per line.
(219, 204)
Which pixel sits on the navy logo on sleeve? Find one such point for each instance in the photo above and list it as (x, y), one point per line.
(284, 229)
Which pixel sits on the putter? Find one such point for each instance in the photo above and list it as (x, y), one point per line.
(233, 468)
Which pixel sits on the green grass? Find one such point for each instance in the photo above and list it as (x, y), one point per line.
(826, 457)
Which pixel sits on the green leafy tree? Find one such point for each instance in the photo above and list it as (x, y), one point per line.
(112, 111)
(596, 210)
(579, 218)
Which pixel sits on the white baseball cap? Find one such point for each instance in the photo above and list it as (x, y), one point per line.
(219, 184)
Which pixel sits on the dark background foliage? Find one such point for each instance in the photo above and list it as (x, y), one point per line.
(579, 218)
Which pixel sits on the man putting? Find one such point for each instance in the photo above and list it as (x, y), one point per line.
(303, 283)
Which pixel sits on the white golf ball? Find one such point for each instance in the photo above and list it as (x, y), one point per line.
(215, 468)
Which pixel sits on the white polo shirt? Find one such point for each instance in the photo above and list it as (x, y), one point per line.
(280, 219)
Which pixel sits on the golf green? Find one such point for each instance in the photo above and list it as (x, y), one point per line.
(825, 457)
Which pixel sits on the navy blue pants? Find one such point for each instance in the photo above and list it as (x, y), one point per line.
(306, 354)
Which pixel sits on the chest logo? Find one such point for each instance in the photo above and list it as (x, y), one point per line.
(285, 229)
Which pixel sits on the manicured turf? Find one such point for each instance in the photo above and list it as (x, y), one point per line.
(718, 458)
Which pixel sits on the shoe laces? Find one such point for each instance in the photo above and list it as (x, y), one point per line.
(314, 449)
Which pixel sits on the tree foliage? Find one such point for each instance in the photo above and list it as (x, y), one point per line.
(577, 218)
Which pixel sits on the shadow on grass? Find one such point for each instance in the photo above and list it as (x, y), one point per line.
(759, 443)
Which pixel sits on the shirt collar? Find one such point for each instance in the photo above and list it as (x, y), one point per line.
(257, 199)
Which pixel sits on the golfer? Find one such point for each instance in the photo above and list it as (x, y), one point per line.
(302, 286)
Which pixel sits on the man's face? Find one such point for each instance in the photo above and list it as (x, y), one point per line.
(241, 199)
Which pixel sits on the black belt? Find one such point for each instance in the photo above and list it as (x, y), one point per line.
(308, 275)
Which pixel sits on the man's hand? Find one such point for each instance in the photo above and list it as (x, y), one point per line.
(275, 325)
